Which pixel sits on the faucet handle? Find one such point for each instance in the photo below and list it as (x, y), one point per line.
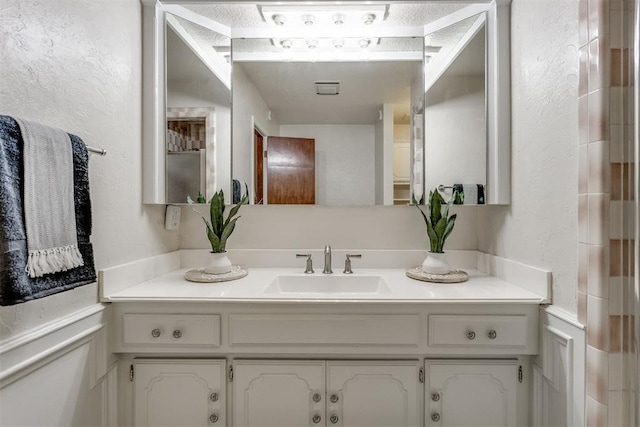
(347, 263)
(309, 267)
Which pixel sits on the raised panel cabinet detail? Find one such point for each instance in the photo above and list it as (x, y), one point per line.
(373, 394)
(278, 393)
(473, 393)
(357, 393)
(179, 392)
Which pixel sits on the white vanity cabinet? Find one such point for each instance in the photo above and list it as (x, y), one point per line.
(324, 364)
(473, 393)
(300, 393)
(179, 392)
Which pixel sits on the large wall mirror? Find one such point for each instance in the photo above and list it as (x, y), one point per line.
(318, 103)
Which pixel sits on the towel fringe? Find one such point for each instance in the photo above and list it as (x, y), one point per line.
(46, 261)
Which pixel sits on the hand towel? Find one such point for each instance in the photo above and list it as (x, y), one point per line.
(468, 194)
(15, 284)
(48, 200)
(240, 190)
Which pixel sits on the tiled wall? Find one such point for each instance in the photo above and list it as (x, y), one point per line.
(605, 208)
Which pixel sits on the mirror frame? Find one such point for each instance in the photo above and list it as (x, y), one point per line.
(498, 165)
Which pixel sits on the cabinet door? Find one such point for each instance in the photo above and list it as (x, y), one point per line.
(179, 392)
(373, 393)
(471, 393)
(279, 393)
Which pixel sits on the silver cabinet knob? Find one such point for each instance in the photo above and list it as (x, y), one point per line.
(155, 333)
(435, 417)
(214, 397)
(316, 418)
(471, 335)
(177, 334)
(334, 398)
(334, 419)
(435, 396)
(316, 397)
(213, 418)
(492, 334)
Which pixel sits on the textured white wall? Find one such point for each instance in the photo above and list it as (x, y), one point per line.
(455, 132)
(77, 65)
(345, 155)
(247, 103)
(540, 226)
(313, 227)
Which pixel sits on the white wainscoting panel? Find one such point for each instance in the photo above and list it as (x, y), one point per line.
(58, 374)
(559, 371)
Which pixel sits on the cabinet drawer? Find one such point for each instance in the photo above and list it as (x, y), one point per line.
(478, 330)
(171, 329)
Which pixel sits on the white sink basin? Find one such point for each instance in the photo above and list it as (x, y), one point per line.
(328, 284)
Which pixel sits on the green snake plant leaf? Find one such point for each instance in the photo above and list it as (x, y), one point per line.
(435, 203)
(216, 212)
(227, 232)
(213, 239)
(433, 237)
(449, 229)
(234, 210)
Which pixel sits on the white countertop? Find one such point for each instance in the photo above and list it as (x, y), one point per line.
(172, 286)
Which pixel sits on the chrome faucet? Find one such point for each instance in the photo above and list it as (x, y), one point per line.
(327, 260)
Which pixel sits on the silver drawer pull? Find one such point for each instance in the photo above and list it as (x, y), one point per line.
(435, 396)
(213, 418)
(492, 334)
(155, 333)
(334, 398)
(435, 417)
(177, 334)
(471, 335)
(334, 419)
(316, 418)
(214, 397)
(316, 397)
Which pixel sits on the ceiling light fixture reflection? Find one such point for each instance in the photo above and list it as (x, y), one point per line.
(286, 44)
(364, 43)
(279, 20)
(368, 18)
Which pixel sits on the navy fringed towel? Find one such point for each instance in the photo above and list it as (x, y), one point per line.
(15, 284)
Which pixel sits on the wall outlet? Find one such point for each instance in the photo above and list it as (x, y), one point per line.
(172, 217)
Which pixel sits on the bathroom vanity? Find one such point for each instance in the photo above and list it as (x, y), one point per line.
(277, 349)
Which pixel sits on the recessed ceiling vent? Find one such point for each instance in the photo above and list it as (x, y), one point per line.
(327, 88)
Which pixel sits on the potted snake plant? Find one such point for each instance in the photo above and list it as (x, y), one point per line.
(439, 226)
(218, 232)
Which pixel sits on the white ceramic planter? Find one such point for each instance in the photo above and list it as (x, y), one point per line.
(435, 263)
(219, 263)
